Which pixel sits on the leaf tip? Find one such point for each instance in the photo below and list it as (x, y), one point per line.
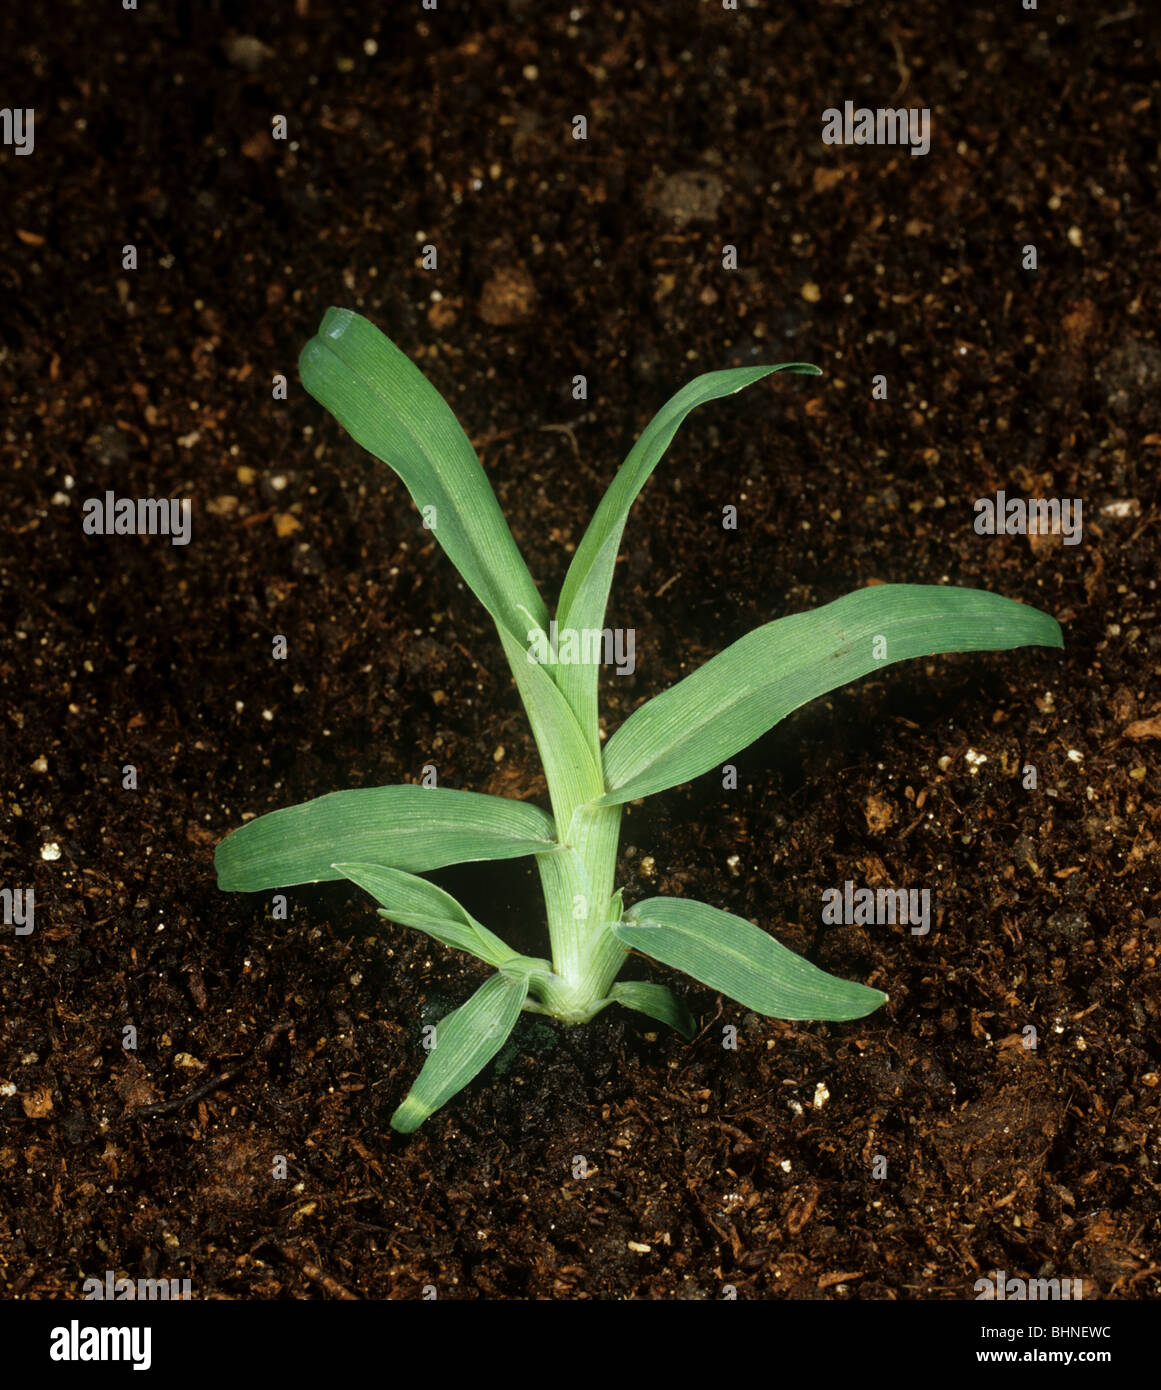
(879, 999)
(335, 322)
(222, 867)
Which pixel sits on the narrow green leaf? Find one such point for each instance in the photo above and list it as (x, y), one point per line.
(729, 954)
(585, 594)
(413, 902)
(387, 405)
(465, 1042)
(410, 828)
(745, 690)
(658, 1001)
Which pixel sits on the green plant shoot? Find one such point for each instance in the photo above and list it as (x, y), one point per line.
(385, 838)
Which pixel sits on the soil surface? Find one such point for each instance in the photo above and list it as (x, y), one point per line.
(901, 1157)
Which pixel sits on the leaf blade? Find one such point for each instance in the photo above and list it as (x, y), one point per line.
(403, 827)
(413, 902)
(655, 1001)
(745, 690)
(731, 955)
(584, 595)
(387, 405)
(465, 1042)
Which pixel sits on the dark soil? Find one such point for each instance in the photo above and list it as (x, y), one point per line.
(755, 1168)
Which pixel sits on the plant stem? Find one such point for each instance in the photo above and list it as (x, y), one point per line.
(577, 877)
(578, 895)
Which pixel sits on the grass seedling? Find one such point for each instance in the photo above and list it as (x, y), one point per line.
(383, 838)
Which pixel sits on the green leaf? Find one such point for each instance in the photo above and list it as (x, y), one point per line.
(745, 690)
(410, 828)
(658, 1001)
(413, 902)
(731, 955)
(465, 1042)
(585, 594)
(387, 405)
